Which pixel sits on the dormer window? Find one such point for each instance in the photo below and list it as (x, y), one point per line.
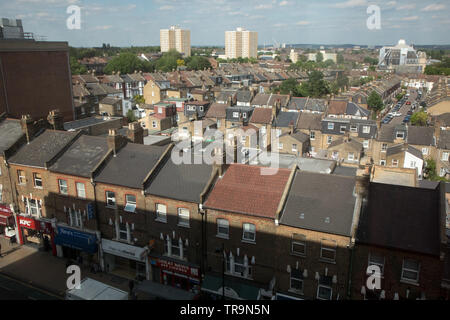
(244, 115)
(235, 114)
(400, 135)
(330, 126)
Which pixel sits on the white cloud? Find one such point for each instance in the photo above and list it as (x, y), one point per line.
(102, 27)
(350, 4)
(263, 6)
(434, 7)
(284, 3)
(413, 18)
(166, 8)
(407, 7)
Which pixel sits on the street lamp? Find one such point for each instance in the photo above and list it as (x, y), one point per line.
(222, 250)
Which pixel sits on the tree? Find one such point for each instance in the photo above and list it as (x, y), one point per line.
(340, 58)
(76, 67)
(128, 63)
(198, 63)
(139, 100)
(168, 62)
(289, 86)
(319, 57)
(315, 87)
(375, 102)
(419, 119)
(180, 62)
(131, 116)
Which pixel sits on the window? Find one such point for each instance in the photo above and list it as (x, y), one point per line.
(377, 260)
(154, 124)
(384, 147)
(394, 163)
(442, 172)
(278, 132)
(294, 148)
(298, 244)
(32, 207)
(243, 139)
(343, 129)
(366, 144)
(223, 228)
(63, 186)
(75, 219)
(218, 123)
(366, 129)
(353, 128)
(445, 156)
(400, 135)
(351, 156)
(382, 162)
(425, 151)
(328, 250)
(160, 110)
(249, 233)
(296, 281)
(312, 135)
(335, 155)
(324, 292)
(244, 115)
(280, 146)
(410, 270)
(412, 164)
(329, 139)
(183, 217)
(37, 180)
(130, 205)
(330, 126)
(235, 114)
(123, 232)
(81, 190)
(110, 199)
(161, 212)
(21, 177)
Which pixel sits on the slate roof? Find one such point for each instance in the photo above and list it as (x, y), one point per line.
(299, 136)
(217, 110)
(423, 136)
(402, 148)
(131, 165)
(244, 190)
(353, 143)
(386, 133)
(307, 208)
(444, 140)
(314, 105)
(355, 110)
(285, 119)
(183, 182)
(82, 156)
(110, 100)
(10, 133)
(310, 121)
(244, 96)
(400, 217)
(261, 115)
(43, 148)
(261, 99)
(337, 107)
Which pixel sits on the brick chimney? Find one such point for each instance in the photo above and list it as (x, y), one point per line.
(115, 141)
(28, 127)
(135, 133)
(220, 160)
(56, 120)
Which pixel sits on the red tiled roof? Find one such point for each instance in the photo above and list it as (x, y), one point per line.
(243, 189)
(262, 115)
(337, 107)
(217, 110)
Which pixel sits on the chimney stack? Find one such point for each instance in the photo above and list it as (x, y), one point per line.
(135, 133)
(28, 127)
(115, 142)
(56, 120)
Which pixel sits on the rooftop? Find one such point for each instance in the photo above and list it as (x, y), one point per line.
(10, 132)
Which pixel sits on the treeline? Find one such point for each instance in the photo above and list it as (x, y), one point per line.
(107, 51)
(442, 68)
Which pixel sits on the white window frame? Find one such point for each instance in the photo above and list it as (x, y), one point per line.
(161, 212)
(235, 114)
(425, 151)
(35, 179)
(121, 232)
(400, 135)
(324, 247)
(154, 124)
(410, 270)
(326, 287)
(351, 156)
(130, 206)
(366, 129)
(312, 135)
(21, 178)
(376, 263)
(291, 288)
(343, 127)
(445, 156)
(294, 149)
(384, 147)
(81, 195)
(395, 163)
(75, 218)
(366, 144)
(330, 125)
(280, 146)
(329, 139)
(382, 162)
(1, 193)
(110, 198)
(244, 232)
(30, 207)
(183, 214)
(353, 128)
(298, 242)
(61, 187)
(223, 224)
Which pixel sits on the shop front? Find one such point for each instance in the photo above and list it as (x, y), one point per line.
(124, 260)
(36, 233)
(173, 273)
(73, 244)
(234, 289)
(6, 221)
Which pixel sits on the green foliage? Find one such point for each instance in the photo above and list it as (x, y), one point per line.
(319, 57)
(289, 86)
(131, 116)
(197, 63)
(238, 60)
(340, 83)
(168, 62)
(375, 102)
(107, 51)
(76, 67)
(139, 100)
(419, 119)
(370, 60)
(400, 96)
(340, 58)
(128, 63)
(315, 87)
(430, 172)
(442, 68)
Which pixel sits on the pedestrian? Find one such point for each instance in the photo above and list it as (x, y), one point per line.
(131, 286)
(0, 250)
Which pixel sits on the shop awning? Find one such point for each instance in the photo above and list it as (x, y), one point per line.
(162, 291)
(234, 288)
(75, 239)
(5, 215)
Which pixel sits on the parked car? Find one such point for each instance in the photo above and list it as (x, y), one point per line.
(408, 103)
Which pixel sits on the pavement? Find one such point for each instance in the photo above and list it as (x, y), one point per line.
(24, 271)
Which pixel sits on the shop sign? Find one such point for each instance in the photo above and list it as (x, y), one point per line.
(27, 223)
(177, 268)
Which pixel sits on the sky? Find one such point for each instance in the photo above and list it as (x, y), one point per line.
(137, 22)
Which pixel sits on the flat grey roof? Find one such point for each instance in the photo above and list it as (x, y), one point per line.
(320, 202)
(86, 122)
(130, 166)
(10, 132)
(43, 148)
(82, 156)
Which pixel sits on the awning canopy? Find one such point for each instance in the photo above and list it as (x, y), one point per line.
(5, 215)
(234, 288)
(162, 291)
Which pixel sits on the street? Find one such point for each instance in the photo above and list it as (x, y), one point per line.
(405, 108)
(13, 290)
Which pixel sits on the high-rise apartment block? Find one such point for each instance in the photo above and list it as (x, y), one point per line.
(241, 44)
(176, 38)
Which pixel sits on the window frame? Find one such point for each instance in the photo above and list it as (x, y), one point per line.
(366, 129)
(402, 278)
(159, 216)
(20, 175)
(330, 125)
(376, 263)
(299, 243)
(109, 198)
(130, 204)
(443, 157)
(328, 248)
(35, 178)
(180, 221)
(312, 135)
(220, 234)
(326, 287)
(60, 189)
(244, 239)
(77, 183)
